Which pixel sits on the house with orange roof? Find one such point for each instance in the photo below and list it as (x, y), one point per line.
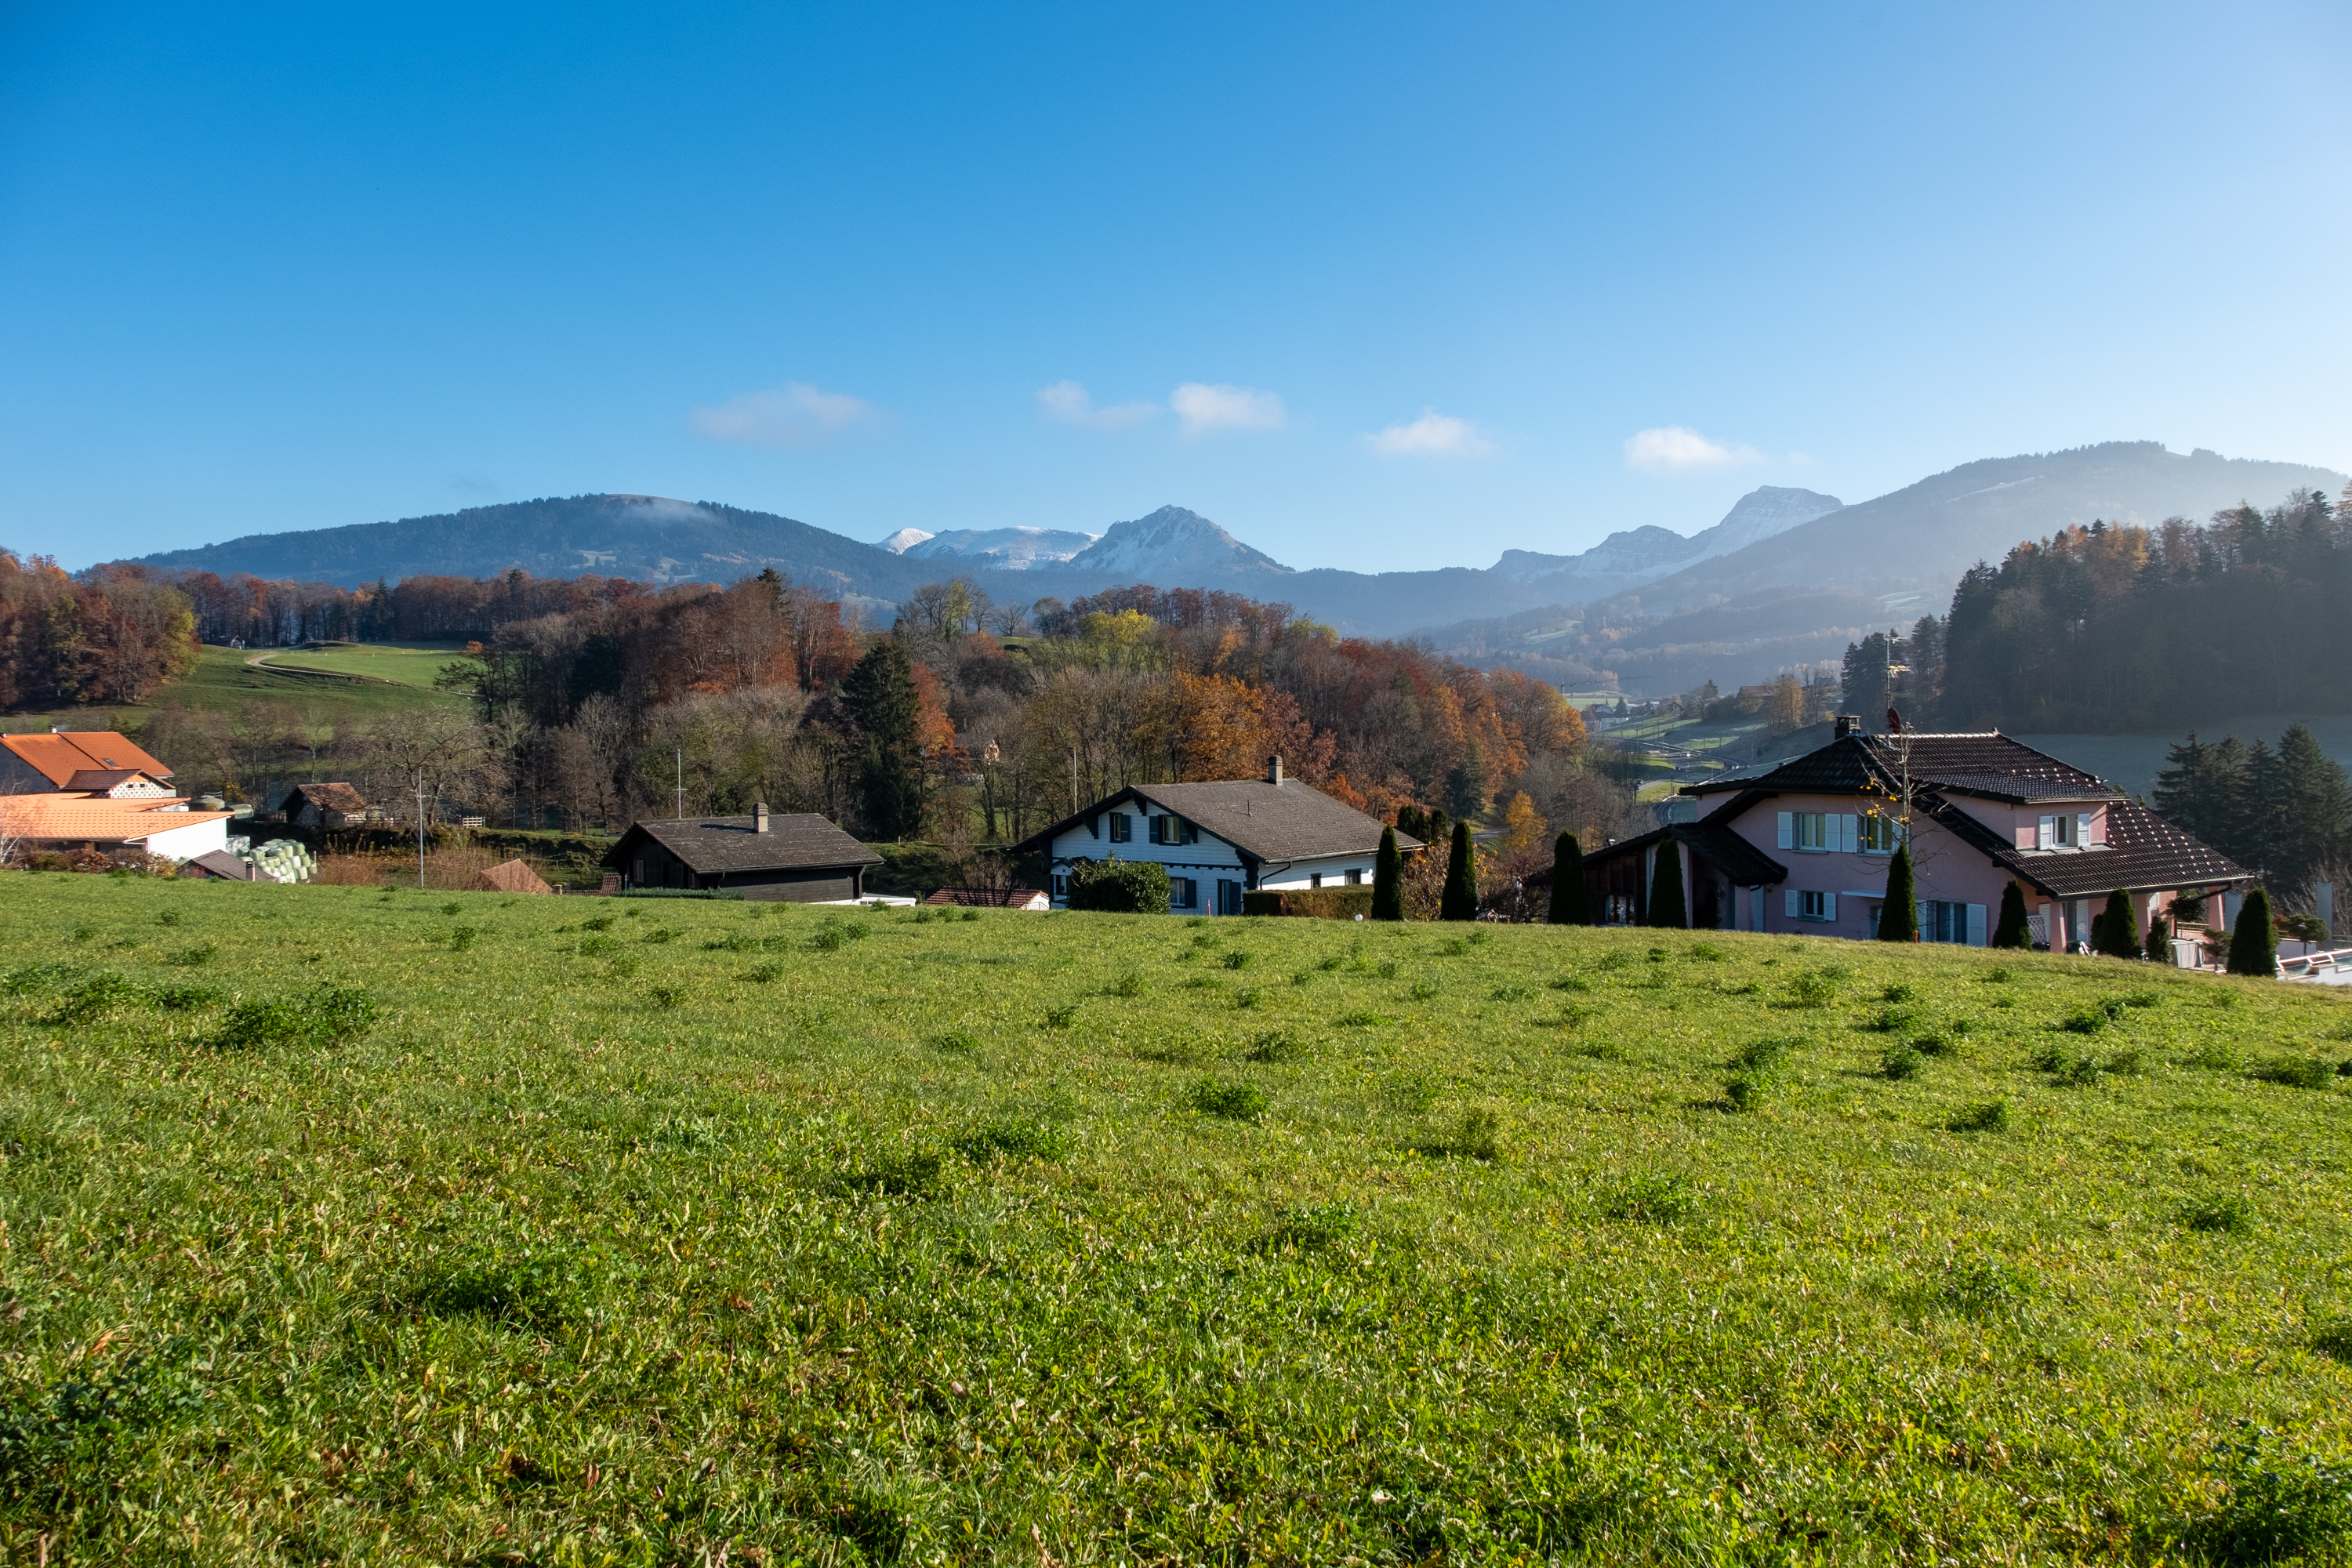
(84, 762)
(166, 827)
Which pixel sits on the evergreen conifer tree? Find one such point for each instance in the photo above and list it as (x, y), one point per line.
(2253, 946)
(1568, 907)
(1666, 906)
(880, 697)
(2159, 946)
(1388, 894)
(1460, 901)
(2116, 931)
(2012, 930)
(1899, 918)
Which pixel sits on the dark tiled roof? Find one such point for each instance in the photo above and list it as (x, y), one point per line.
(1742, 862)
(1746, 864)
(227, 866)
(988, 897)
(331, 796)
(1981, 764)
(1288, 821)
(794, 841)
(2143, 853)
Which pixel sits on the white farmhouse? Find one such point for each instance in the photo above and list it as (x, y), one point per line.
(1218, 840)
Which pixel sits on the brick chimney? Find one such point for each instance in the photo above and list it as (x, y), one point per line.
(1274, 770)
(1848, 724)
(760, 817)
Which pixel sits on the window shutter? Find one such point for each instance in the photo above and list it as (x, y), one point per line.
(2045, 835)
(1793, 895)
(1829, 906)
(2082, 830)
(1848, 839)
(1094, 827)
(1191, 834)
(1788, 839)
(1976, 925)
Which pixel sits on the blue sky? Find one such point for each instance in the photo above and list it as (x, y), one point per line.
(1375, 286)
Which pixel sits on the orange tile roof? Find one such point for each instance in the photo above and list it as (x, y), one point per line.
(75, 818)
(60, 757)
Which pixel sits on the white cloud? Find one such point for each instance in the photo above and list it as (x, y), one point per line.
(1433, 435)
(793, 415)
(1070, 403)
(1201, 408)
(1671, 449)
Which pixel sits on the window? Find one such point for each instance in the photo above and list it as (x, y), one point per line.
(1182, 892)
(1355, 879)
(1879, 833)
(1810, 906)
(1960, 924)
(1162, 829)
(1811, 830)
(2067, 830)
(2066, 837)
(1061, 886)
(1122, 827)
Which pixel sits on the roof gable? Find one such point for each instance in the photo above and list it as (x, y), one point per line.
(59, 755)
(1265, 821)
(1990, 765)
(795, 841)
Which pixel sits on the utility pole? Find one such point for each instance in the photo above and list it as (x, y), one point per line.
(681, 783)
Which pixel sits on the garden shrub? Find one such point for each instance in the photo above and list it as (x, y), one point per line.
(1116, 887)
(1309, 903)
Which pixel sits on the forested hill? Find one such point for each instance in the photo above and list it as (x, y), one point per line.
(647, 538)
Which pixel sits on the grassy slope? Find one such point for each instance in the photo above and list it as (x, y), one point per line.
(404, 664)
(222, 682)
(598, 1247)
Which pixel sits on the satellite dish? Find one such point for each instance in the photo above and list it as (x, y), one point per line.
(1894, 722)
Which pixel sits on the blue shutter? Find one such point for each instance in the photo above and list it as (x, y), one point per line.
(1829, 906)
(1795, 899)
(1788, 840)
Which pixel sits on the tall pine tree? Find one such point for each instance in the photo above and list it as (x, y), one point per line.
(1899, 918)
(2012, 928)
(2116, 930)
(2253, 946)
(1666, 905)
(1388, 894)
(1460, 901)
(880, 697)
(1568, 905)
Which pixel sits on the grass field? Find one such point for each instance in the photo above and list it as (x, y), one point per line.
(401, 663)
(351, 1227)
(222, 682)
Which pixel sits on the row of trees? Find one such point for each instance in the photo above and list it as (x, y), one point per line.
(2114, 626)
(108, 636)
(2286, 811)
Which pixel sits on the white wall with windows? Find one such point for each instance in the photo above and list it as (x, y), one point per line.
(1206, 874)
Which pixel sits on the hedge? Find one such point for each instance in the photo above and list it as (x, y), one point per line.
(1313, 903)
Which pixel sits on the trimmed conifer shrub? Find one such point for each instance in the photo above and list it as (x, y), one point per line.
(2159, 946)
(2253, 945)
(1899, 921)
(2012, 930)
(1568, 905)
(1388, 895)
(1461, 900)
(2116, 930)
(1666, 906)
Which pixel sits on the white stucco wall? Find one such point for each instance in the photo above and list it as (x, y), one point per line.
(1206, 861)
(187, 843)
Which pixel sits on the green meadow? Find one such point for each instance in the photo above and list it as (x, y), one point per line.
(352, 1227)
(400, 664)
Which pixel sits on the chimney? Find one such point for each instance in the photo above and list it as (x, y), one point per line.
(760, 817)
(1274, 770)
(1848, 724)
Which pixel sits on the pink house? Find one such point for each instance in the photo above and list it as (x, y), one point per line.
(1802, 846)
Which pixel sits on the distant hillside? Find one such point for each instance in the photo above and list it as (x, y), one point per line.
(650, 538)
(1634, 556)
(1800, 595)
